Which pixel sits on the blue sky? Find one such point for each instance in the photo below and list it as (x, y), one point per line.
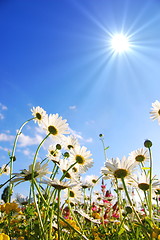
(56, 55)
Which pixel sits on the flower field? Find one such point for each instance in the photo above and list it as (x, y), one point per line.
(63, 204)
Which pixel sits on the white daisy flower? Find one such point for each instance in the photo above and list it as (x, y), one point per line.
(53, 153)
(64, 165)
(39, 114)
(143, 182)
(139, 155)
(73, 194)
(55, 126)
(92, 180)
(70, 142)
(60, 185)
(116, 168)
(155, 111)
(82, 157)
(5, 169)
(26, 175)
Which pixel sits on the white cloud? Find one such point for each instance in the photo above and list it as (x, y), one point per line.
(4, 149)
(72, 107)
(91, 122)
(6, 138)
(1, 116)
(3, 107)
(89, 140)
(26, 152)
(76, 134)
(25, 140)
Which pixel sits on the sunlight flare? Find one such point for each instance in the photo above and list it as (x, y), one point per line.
(120, 43)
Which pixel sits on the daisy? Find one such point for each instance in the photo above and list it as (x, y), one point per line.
(57, 184)
(155, 111)
(116, 168)
(92, 180)
(139, 155)
(26, 175)
(53, 153)
(82, 157)
(70, 142)
(143, 182)
(39, 114)
(73, 194)
(66, 167)
(55, 126)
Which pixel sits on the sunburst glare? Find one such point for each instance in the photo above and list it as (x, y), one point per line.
(120, 43)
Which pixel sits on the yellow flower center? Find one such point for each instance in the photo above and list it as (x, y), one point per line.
(38, 116)
(143, 186)
(80, 159)
(120, 173)
(52, 130)
(140, 158)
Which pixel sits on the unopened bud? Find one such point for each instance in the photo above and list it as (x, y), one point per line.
(148, 144)
(58, 146)
(128, 209)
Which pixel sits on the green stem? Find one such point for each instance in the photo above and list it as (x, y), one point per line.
(150, 186)
(130, 202)
(58, 215)
(12, 157)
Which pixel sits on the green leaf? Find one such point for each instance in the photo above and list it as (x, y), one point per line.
(122, 230)
(106, 148)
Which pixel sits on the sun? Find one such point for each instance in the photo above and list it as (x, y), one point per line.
(120, 43)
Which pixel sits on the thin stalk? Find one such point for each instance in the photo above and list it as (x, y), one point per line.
(58, 215)
(39, 215)
(129, 200)
(150, 185)
(12, 157)
(102, 140)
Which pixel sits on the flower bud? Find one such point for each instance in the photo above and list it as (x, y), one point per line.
(101, 135)
(128, 209)
(148, 144)
(66, 154)
(58, 146)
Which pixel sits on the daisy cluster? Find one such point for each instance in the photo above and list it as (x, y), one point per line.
(61, 202)
(69, 159)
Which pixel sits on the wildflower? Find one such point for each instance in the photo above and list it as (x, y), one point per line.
(155, 111)
(3, 236)
(66, 168)
(92, 180)
(9, 207)
(39, 114)
(53, 153)
(82, 157)
(143, 182)
(55, 126)
(139, 155)
(60, 185)
(5, 169)
(70, 142)
(73, 194)
(26, 175)
(116, 168)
